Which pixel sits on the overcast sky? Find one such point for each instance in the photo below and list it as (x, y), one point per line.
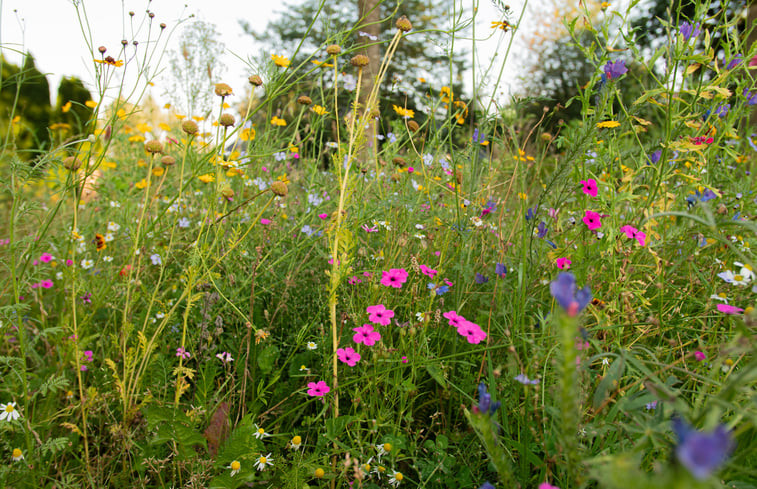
(52, 32)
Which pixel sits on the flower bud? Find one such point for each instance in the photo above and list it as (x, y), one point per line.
(304, 100)
(359, 60)
(279, 188)
(72, 163)
(222, 90)
(226, 120)
(333, 49)
(168, 160)
(403, 24)
(255, 80)
(154, 146)
(413, 126)
(190, 127)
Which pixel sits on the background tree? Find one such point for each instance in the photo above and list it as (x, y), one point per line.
(423, 58)
(70, 108)
(25, 103)
(195, 68)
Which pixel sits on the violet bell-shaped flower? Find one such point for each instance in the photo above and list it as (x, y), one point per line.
(565, 292)
(701, 453)
(485, 404)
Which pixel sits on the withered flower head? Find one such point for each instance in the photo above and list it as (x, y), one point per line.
(190, 127)
(153, 146)
(168, 160)
(359, 60)
(226, 120)
(333, 49)
(279, 188)
(304, 100)
(403, 24)
(223, 90)
(72, 163)
(255, 80)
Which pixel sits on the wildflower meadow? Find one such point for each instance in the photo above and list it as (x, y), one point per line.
(364, 272)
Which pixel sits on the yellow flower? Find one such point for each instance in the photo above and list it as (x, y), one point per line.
(280, 60)
(60, 125)
(608, 124)
(322, 64)
(110, 61)
(207, 178)
(406, 113)
(421, 79)
(504, 25)
(278, 122)
(121, 113)
(198, 118)
(142, 127)
(522, 196)
(159, 171)
(66, 107)
(141, 184)
(446, 94)
(247, 134)
(17, 455)
(91, 104)
(164, 126)
(319, 110)
(137, 138)
(605, 5)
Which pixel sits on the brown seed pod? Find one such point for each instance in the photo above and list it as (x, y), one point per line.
(255, 80)
(413, 126)
(304, 100)
(72, 163)
(168, 160)
(279, 188)
(226, 120)
(333, 49)
(190, 127)
(403, 24)
(222, 90)
(154, 146)
(359, 60)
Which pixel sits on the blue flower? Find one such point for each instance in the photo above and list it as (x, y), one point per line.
(500, 269)
(525, 380)
(564, 291)
(688, 31)
(701, 453)
(722, 110)
(541, 230)
(655, 157)
(487, 485)
(485, 404)
(616, 69)
(734, 62)
(481, 279)
(531, 212)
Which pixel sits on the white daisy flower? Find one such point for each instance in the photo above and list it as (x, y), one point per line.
(312, 345)
(86, 264)
(235, 467)
(396, 478)
(262, 461)
(17, 455)
(8, 412)
(260, 433)
(113, 226)
(746, 271)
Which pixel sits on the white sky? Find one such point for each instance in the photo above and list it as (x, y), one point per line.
(51, 31)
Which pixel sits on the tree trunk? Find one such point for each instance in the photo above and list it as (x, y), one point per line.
(370, 17)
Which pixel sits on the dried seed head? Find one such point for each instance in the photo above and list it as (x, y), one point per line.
(154, 146)
(228, 193)
(359, 60)
(255, 80)
(190, 127)
(413, 126)
(333, 49)
(102, 49)
(162, 25)
(72, 163)
(226, 120)
(304, 100)
(279, 188)
(151, 14)
(399, 161)
(168, 160)
(223, 90)
(124, 42)
(403, 24)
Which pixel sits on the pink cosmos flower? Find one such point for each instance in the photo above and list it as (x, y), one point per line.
(181, 352)
(395, 277)
(46, 258)
(348, 356)
(590, 187)
(318, 389)
(472, 332)
(633, 233)
(46, 284)
(563, 263)
(404, 359)
(323, 216)
(546, 485)
(728, 309)
(592, 220)
(700, 356)
(69, 262)
(379, 314)
(454, 318)
(366, 335)
(265, 221)
(428, 271)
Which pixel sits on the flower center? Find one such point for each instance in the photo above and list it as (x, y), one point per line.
(235, 465)
(9, 408)
(263, 460)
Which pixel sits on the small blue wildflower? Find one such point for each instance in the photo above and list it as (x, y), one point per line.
(444, 164)
(477, 139)
(688, 31)
(487, 485)
(525, 380)
(281, 155)
(734, 62)
(500, 269)
(565, 292)
(392, 138)
(442, 289)
(428, 159)
(701, 453)
(485, 404)
(531, 212)
(542, 230)
(616, 69)
(722, 110)
(654, 158)
(651, 405)
(481, 279)
(751, 97)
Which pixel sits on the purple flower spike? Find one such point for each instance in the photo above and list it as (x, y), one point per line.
(564, 291)
(734, 62)
(702, 453)
(485, 404)
(616, 69)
